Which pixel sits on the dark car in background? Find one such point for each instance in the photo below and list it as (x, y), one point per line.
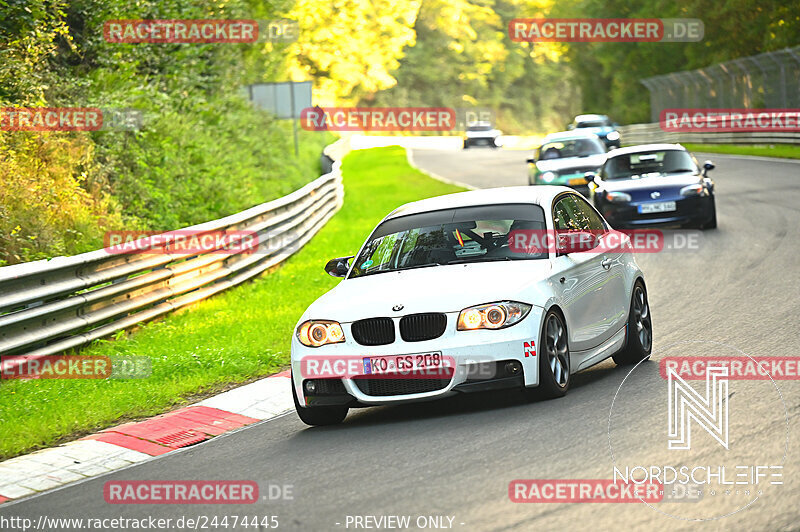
(655, 184)
(481, 134)
(600, 125)
(565, 158)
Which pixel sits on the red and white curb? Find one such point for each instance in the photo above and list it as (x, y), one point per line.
(127, 444)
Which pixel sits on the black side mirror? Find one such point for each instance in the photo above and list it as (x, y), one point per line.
(338, 267)
(708, 165)
(531, 160)
(590, 176)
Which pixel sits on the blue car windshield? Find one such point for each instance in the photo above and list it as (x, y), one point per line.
(452, 236)
(647, 164)
(594, 123)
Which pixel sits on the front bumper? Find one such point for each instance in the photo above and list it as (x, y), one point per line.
(472, 352)
(480, 141)
(689, 211)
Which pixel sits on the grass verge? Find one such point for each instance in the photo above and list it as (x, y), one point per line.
(232, 338)
(785, 151)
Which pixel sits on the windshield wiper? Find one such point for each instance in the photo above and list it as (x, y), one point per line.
(478, 259)
(414, 267)
(375, 272)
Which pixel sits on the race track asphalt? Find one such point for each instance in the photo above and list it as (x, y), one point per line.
(740, 287)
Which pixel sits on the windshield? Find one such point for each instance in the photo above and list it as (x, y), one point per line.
(571, 148)
(453, 236)
(647, 164)
(594, 123)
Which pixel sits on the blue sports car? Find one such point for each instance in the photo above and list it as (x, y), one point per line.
(600, 125)
(654, 184)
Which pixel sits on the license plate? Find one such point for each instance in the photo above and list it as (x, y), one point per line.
(577, 181)
(664, 206)
(403, 363)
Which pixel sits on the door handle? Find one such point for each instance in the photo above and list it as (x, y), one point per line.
(606, 264)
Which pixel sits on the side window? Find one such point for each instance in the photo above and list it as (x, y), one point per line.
(563, 215)
(572, 213)
(589, 216)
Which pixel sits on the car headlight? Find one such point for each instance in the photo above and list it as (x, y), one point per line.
(492, 315)
(614, 135)
(618, 197)
(693, 190)
(316, 333)
(549, 177)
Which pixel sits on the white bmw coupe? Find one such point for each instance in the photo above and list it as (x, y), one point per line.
(516, 287)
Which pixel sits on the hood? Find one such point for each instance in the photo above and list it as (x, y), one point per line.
(434, 289)
(668, 186)
(566, 165)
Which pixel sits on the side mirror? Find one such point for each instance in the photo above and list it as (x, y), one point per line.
(708, 165)
(571, 127)
(531, 160)
(590, 177)
(338, 267)
(575, 242)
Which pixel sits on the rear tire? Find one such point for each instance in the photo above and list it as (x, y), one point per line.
(554, 371)
(319, 415)
(639, 335)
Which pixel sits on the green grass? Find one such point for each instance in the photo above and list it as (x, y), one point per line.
(231, 338)
(786, 151)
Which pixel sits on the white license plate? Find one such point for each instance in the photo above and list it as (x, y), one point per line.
(403, 363)
(663, 206)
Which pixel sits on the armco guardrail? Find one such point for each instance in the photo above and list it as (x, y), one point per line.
(650, 133)
(50, 306)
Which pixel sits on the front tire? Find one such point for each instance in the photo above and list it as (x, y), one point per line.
(554, 371)
(319, 415)
(712, 224)
(639, 337)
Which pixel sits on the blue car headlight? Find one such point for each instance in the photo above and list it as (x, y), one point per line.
(693, 190)
(618, 197)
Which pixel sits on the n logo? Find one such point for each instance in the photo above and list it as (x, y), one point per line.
(685, 404)
(530, 348)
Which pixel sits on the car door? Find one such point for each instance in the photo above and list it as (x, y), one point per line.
(612, 292)
(582, 278)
